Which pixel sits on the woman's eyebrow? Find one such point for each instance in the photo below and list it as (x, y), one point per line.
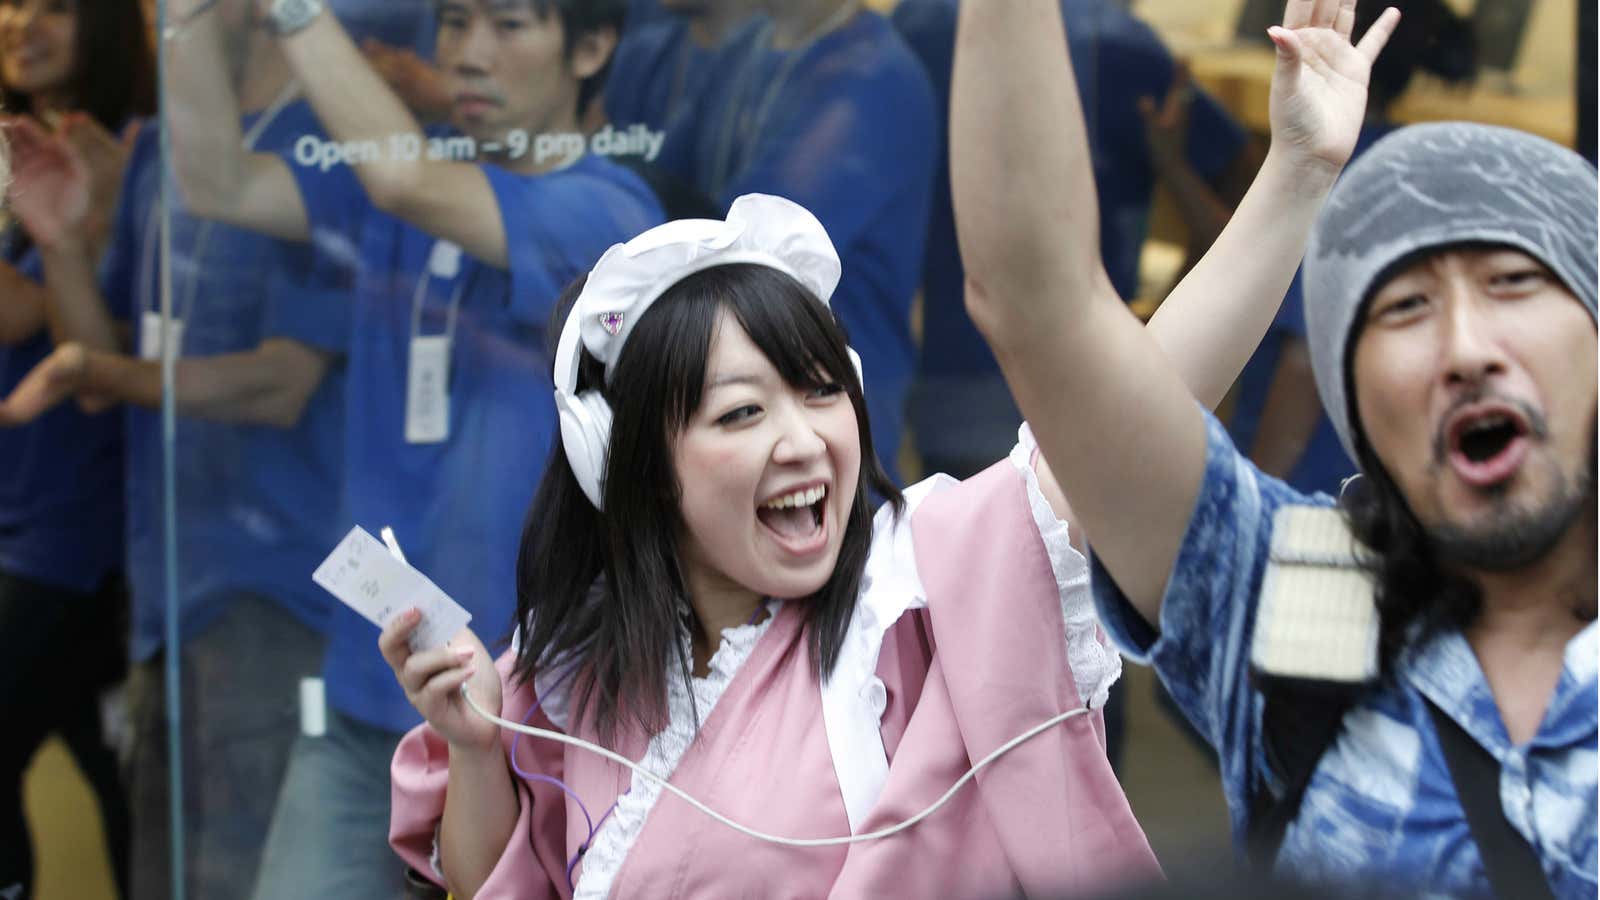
(733, 378)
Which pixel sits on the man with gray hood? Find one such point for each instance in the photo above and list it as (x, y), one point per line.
(1401, 685)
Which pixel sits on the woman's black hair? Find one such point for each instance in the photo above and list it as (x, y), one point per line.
(113, 75)
(1431, 37)
(605, 591)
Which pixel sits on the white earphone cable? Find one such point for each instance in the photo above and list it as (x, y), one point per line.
(760, 835)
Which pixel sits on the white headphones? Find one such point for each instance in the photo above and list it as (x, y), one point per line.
(760, 229)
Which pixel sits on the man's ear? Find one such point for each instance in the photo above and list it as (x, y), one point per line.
(591, 52)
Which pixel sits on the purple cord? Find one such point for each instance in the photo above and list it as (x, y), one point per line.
(594, 827)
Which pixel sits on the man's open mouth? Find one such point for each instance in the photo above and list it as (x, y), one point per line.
(1487, 443)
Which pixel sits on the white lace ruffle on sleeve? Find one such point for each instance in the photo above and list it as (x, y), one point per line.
(1096, 665)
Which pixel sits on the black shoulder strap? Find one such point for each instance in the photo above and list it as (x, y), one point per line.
(1299, 721)
(1513, 868)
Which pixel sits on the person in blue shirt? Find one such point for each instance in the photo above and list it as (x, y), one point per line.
(1277, 418)
(462, 241)
(961, 412)
(825, 105)
(84, 71)
(1451, 288)
(664, 63)
(256, 459)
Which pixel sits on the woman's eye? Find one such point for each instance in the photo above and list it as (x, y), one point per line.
(824, 391)
(509, 25)
(735, 416)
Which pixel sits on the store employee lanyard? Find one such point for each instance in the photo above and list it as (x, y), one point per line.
(150, 322)
(428, 357)
(743, 124)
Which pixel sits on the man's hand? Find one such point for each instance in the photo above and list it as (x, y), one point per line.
(1319, 88)
(51, 187)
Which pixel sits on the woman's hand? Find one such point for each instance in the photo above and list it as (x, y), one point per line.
(432, 681)
(51, 185)
(1319, 89)
(106, 157)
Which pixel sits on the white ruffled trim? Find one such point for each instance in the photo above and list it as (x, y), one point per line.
(1096, 666)
(854, 697)
(619, 833)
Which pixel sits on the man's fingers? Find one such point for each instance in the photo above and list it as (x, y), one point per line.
(1345, 22)
(1373, 42)
(1297, 13)
(1325, 13)
(1287, 75)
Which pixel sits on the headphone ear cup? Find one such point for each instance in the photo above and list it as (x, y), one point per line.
(586, 440)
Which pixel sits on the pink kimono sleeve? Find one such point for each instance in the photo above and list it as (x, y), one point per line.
(1003, 624)
(533, 863)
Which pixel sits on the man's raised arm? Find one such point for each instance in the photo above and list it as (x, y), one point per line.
(218, 176)
(1115, 422)
(1113, 405)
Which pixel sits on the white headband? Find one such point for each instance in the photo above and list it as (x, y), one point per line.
(760, 229)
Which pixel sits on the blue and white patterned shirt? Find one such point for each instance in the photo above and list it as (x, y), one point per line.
(1381, 808)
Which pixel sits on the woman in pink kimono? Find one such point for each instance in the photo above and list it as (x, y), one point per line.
(705, 590)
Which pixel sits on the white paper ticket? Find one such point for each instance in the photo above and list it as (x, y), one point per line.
(366, 577)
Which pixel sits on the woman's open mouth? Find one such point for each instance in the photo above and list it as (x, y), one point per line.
(797, 518)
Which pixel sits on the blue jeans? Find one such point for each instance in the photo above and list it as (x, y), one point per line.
(330, 833)
(240, 682)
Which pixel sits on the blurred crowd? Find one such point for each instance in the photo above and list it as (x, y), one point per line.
(339, 257)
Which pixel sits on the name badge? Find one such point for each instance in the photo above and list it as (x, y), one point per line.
(150, 327)
(428, 390)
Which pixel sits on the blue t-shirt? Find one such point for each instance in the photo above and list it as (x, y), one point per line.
(658, 70)
(255, 505)
(644, 12)
(1116, 59)
(61, 486)
(1323, 465)
(457, 507)
(1381, 807)
(845, 127)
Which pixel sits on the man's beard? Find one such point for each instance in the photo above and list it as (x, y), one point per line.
(1517, 538)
